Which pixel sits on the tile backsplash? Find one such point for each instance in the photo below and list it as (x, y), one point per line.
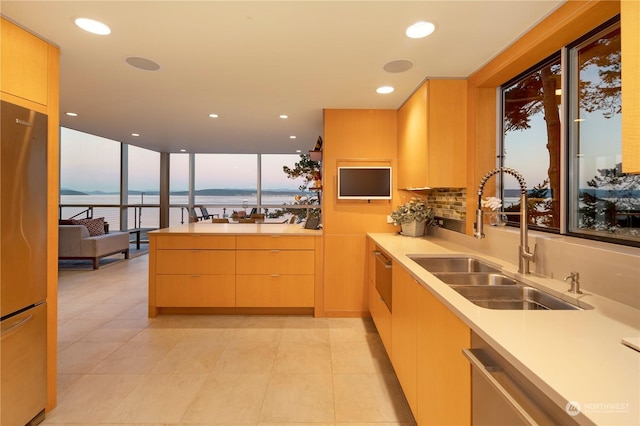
(449, 203)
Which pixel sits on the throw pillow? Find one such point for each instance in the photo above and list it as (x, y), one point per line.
(95, 226)
(66, 222)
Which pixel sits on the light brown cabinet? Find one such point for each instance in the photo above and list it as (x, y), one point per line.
(630, 27)
(403, 329)
(25, 64)
(443, 374)
(432, 132)
(275, 271)
(231, 271)
(379, 311)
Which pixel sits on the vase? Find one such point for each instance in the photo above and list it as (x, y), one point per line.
(413, 229)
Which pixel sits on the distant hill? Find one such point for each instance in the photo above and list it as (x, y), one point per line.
(64, 191)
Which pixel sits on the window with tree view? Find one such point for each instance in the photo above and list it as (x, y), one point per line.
(531, 142)
(600, 201)
(604, 202)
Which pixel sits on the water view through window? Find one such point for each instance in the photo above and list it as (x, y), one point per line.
(224, 183)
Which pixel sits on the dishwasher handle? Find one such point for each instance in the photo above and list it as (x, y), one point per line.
(485, 371)
(382, 259)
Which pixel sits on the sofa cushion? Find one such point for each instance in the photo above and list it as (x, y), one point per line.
(95, 226)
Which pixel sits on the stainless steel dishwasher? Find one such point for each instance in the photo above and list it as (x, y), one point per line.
(502, 395)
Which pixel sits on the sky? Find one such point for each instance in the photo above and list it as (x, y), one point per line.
(91, 163)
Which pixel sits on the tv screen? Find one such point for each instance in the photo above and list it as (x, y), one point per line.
(364, 183)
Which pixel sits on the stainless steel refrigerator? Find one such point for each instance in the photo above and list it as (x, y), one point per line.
(23, 268)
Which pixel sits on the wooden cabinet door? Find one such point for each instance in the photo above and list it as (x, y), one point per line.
(412, 141)
(443, 374)
(403, 330)
(630, 27)
(267, 262)
(24, 64)
(205, 262)
(447, 134)
(275, 291)
(196, 290)
(432, 134)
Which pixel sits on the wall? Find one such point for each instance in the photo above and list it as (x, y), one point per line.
(353, 138)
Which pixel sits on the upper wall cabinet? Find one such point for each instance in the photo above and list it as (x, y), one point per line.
(24, 64)
(432, 131)
(630, 22)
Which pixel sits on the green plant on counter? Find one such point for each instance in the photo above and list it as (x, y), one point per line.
(413, 210)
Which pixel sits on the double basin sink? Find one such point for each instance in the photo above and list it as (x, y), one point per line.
(486, 286)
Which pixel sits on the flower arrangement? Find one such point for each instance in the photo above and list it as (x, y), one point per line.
(413, 210)
(492, 203)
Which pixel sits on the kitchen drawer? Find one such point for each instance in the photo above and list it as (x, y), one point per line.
(274, 291)
(196, 290)
(283, 242)
(258, 262)
(195, 241)
(195, 262)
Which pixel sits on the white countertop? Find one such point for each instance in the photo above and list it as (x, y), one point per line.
(570, 355)
(238, 229)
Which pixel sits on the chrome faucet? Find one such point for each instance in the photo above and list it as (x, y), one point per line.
(575, 282)
(524, 256)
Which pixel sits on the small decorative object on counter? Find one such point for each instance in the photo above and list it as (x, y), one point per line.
(413, 216)
(496, 218)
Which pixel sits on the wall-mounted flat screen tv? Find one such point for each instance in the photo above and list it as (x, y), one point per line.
(364, 183)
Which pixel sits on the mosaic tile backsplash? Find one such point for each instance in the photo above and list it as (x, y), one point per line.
(449, 203)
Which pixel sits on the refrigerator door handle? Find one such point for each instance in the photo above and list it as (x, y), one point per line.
(20, 323)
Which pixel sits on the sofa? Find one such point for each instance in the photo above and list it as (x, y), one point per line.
(74, 242)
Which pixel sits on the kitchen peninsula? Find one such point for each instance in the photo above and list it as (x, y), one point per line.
(212, 268)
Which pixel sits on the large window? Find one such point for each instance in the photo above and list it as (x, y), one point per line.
(531, 142)
(89, 176)
(144, 188)
(226, 182)
(600, 202)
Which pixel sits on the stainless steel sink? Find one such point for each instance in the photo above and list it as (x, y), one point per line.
(518, 297)
(452, 264)
(475, 278)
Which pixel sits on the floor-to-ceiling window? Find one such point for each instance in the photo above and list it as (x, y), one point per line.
(143, 199)
(89, 176)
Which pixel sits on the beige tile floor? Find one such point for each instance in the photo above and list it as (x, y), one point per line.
(118, 367)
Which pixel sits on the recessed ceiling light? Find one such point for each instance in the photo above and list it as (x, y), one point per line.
(143, 64)
(92, 26)
(579, 120)
(292, 137)
(183, 150)
(420, 29)
(284, 116)
(384, 90)
(214, 115)
(298, 151)
(72, 114)
(135, 134)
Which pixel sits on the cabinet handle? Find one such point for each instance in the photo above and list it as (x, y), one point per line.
(485, 371)
(275, 251)
(195, 251)
(195, 276)
(16, 325)
(275, 275)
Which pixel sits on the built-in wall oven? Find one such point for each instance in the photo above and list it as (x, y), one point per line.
(502, 395)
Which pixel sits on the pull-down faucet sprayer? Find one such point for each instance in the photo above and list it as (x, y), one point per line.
(524, 256)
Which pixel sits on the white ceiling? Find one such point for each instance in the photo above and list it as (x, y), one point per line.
(250, 61)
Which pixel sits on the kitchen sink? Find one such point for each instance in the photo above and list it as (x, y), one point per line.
(452, 264)
(475, 278)
(517, 297)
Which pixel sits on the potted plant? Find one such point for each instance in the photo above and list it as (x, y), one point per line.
(413, 216)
